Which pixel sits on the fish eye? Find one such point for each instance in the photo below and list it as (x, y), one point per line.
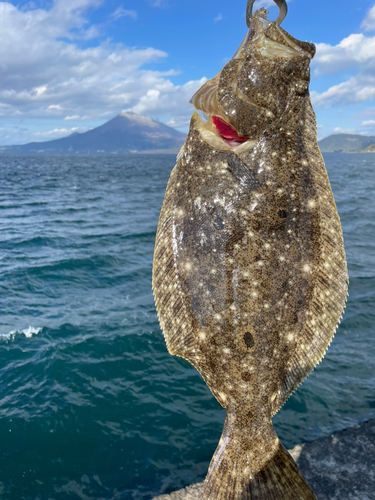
(287, 67)
(249, 340)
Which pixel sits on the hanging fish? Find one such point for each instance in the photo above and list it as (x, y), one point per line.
(250, 276)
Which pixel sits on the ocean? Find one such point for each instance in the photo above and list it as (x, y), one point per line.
(92, 406)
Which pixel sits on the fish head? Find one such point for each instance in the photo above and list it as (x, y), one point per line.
(268, 75)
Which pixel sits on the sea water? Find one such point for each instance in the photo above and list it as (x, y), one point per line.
(91, 404)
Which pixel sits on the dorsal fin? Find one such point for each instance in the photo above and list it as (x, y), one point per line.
(328, 298)
(170, 304)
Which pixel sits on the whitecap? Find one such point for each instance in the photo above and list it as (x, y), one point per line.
(27, 332)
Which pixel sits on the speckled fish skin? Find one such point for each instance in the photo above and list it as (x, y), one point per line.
(250, 276)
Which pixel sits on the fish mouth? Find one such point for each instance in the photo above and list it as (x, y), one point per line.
(218, 130)
(227, 132)
(236, 114)
(219, 134)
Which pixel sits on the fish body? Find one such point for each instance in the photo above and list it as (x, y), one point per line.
(250, 275)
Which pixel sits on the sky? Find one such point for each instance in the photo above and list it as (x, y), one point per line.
(70, 65)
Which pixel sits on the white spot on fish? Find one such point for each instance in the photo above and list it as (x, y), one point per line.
(311, 203)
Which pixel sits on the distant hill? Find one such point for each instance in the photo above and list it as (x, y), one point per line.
(132, 133)
(126, 133)
(346, 143)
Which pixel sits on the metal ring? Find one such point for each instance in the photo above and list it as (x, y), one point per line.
(280, 3)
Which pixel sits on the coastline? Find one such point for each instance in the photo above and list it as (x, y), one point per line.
(340, 466)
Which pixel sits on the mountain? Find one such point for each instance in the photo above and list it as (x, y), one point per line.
(132, 133)
(346, 143)
(125, 133)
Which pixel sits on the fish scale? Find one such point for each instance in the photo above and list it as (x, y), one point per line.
(250, 276)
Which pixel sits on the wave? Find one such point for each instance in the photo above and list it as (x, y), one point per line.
(27, 332)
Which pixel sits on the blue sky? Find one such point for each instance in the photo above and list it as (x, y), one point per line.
(70, 65)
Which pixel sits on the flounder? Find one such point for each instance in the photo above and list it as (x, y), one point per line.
(250, 275)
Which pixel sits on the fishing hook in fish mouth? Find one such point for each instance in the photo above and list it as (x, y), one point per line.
(280, 3)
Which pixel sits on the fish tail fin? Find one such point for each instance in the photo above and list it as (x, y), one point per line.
(233, 476)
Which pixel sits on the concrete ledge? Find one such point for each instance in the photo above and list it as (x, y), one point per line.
(337, 467)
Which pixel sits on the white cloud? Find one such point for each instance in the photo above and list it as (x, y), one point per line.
(121, 12)
(339, 130)
(62, 79)
(181, 121)
(73, 117)
(165, 95)
(57, 133)
(353, 55)
(368, 123)
(218, 18)
(356, 89)
(355, 51)
(368, 23)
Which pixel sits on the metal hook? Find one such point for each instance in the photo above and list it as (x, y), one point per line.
(280, 3)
